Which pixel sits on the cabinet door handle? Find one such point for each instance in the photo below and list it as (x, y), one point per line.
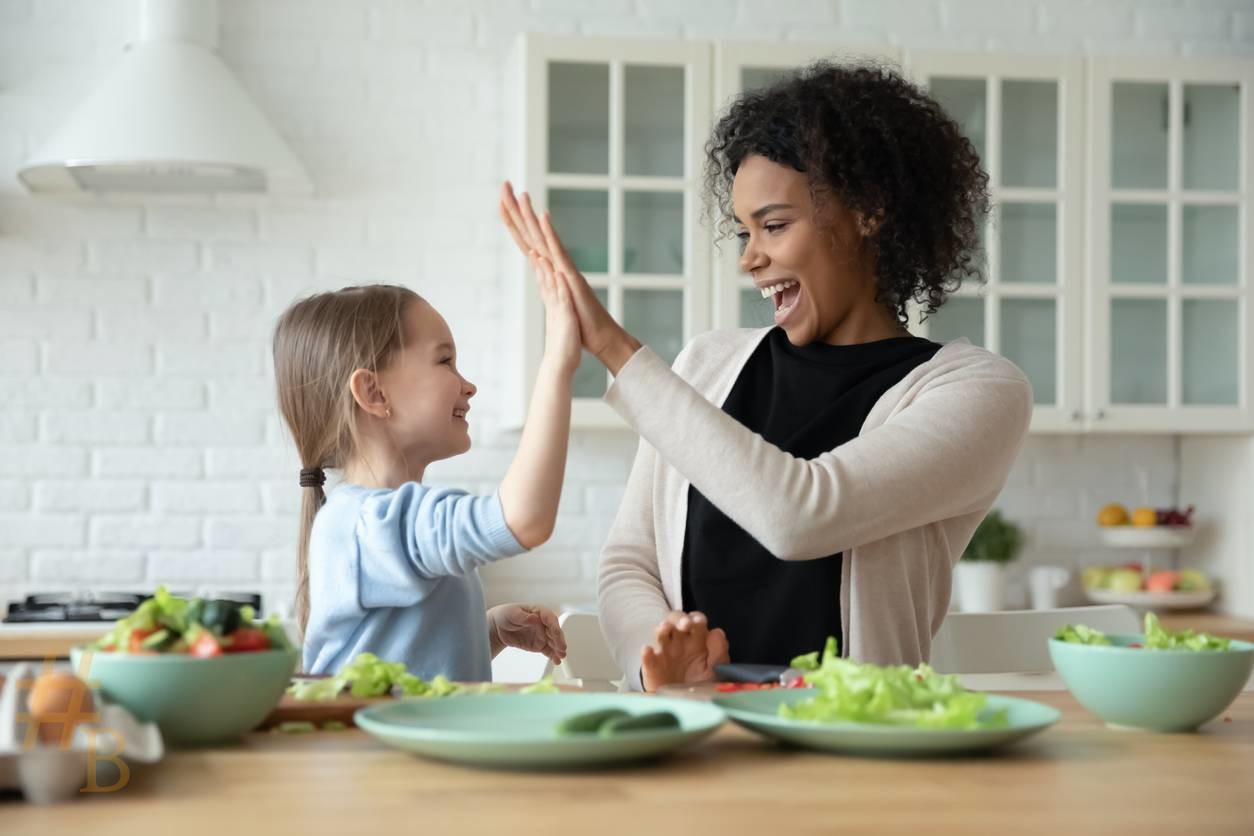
(1076, 415)
(1099, 414)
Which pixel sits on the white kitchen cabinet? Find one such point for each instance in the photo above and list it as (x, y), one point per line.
(1169, 245)
(609, 139)
(1118, 251)
(1024, 116)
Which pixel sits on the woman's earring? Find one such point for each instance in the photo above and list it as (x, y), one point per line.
(388, 414)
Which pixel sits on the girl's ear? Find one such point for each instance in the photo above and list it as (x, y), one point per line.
(364, 384)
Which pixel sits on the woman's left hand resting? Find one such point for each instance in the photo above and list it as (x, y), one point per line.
(528, 627)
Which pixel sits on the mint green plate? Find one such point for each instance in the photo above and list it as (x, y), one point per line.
(759, 711)
(517, 730)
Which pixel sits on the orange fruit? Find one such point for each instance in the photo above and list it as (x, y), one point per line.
(1112, 514)
(1145, 517)
(58, 702)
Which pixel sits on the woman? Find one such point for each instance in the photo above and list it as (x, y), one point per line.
(820, 477)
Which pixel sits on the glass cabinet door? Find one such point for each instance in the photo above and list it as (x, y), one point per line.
(614, 131)
(1023, 118)
(1169, 292)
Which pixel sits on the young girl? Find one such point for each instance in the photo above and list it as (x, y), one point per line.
(368, 384)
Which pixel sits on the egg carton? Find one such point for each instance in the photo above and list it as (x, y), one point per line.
(46, 773)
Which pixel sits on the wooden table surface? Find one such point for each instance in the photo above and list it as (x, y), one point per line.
(1078, 777)
(35, 641)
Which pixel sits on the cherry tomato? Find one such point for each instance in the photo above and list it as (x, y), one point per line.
(136, 643)
(247, 639)
(205, 646)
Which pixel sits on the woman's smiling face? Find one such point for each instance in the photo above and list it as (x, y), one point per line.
(823, 280)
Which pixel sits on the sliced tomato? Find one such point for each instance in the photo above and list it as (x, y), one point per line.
(246, 640)
(729, 687)
(205, 646)
(136, 642)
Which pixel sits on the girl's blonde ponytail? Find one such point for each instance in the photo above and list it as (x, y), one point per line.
(312, 499)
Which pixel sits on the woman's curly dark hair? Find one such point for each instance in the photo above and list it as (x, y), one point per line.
(882, 147)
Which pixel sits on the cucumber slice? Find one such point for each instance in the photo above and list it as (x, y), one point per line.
(653, 721)
(590, 722)
(158, 640)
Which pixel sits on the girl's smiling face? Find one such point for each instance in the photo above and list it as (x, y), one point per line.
(822, 279)
(426, 395)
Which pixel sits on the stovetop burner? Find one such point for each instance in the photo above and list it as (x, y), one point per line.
(56, 607)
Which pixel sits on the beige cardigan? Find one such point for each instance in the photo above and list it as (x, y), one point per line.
(901, 500)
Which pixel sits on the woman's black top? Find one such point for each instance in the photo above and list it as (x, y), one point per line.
(806, 401)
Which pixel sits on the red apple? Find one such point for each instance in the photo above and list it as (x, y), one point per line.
(1162, 581)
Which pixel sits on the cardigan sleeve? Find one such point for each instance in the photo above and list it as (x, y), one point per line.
(630, 598)
(946, 453)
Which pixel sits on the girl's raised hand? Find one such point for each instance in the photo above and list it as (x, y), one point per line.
(562, 345)
(601, 335)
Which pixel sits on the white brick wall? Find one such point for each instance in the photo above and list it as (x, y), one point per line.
(138, 439)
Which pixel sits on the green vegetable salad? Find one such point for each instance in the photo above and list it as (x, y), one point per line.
(852, 692)
(192, 626)
(369, 676)
(1157, 637)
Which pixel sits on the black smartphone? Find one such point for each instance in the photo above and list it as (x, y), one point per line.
(738, 672)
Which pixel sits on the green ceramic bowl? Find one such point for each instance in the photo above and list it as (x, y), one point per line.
(194, 701)
(1157, 690)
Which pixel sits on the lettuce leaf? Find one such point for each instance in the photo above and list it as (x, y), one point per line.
(896, 695)
(369, 676)
(1079, 634)
(544, 686)
(1158, 637)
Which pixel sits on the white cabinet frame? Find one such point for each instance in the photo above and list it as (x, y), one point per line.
(712, 281)
(1066, 414)
(529, 171)
(1174, 416)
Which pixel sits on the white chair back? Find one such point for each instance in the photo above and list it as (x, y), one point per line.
(1016, 641)
(588, 660)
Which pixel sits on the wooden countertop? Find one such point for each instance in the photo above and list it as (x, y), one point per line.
(1078, 777)
(35, 641)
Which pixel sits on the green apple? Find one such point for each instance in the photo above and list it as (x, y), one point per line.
(1124, 580)
(1192, 580)
(1094, 577)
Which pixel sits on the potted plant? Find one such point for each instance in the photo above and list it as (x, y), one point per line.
(981, 573)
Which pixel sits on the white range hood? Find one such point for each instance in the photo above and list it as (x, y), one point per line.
(170, 118)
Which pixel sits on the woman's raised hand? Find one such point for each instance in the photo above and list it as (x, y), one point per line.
(601, 335)
(685, 649)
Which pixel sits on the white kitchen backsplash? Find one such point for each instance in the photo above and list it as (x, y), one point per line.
(138, 437)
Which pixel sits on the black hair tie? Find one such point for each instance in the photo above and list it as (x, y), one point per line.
(312, 477)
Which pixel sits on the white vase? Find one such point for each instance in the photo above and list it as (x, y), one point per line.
(981, 585)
